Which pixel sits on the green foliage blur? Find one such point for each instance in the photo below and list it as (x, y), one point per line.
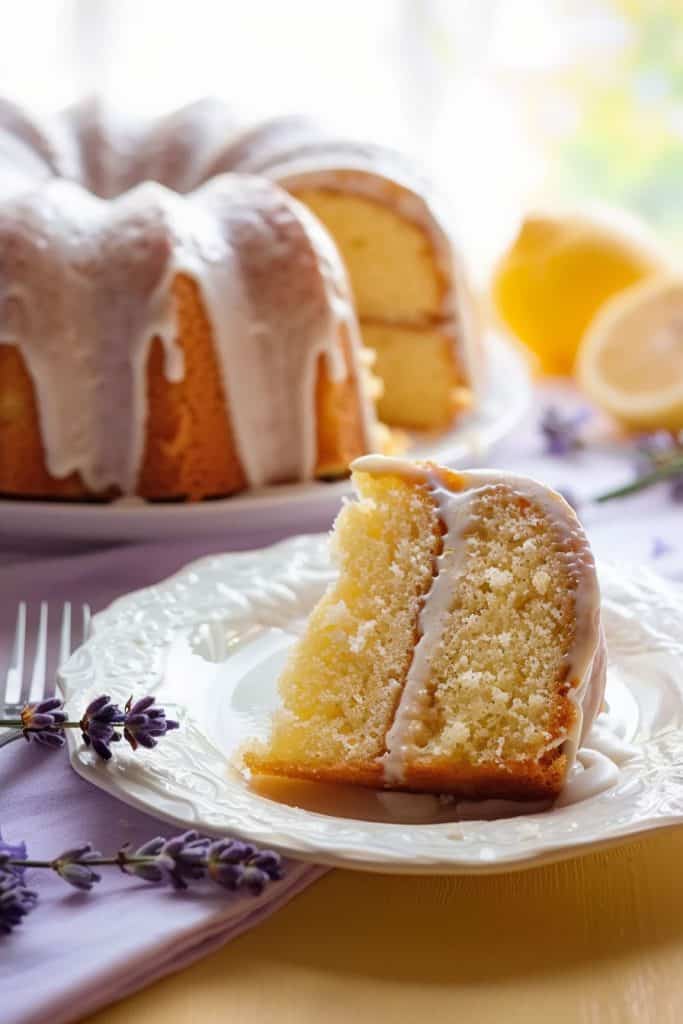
(628, 145)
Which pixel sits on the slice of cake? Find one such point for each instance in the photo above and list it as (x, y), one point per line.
(460, 649)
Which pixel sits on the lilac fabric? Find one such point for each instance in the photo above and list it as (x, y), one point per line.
(77, 952)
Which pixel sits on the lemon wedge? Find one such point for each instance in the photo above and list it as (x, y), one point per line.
(631, 358)
(560, 269)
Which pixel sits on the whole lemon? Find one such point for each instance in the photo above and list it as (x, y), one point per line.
(560, 269)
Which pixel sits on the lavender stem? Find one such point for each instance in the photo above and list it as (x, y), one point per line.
(96, 861)
(16, 723)
(671, 469)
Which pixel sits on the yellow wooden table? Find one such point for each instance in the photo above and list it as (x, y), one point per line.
(596, 941)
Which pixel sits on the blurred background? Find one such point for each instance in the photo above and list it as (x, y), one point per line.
(508, 103)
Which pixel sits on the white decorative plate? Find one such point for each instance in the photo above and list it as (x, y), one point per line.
(210, 641)
(287, 508)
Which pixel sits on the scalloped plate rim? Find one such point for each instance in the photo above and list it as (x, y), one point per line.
(544, 852)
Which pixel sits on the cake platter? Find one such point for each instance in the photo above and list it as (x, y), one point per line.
(273, 511)
(210, 642)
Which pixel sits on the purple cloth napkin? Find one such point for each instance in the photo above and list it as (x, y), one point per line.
(77, 952)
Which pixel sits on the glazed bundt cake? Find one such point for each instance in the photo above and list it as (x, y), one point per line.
(175, 322)
(460, 649)
(409, 285)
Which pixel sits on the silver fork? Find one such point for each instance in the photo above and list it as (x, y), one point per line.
(19, 688)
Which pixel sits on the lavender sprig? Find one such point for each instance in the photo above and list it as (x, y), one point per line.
(658, 458)
(177, 861)
(44, 722)
(233, 864)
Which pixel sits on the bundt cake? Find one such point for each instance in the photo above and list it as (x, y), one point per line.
(460, 649)
(177, 322)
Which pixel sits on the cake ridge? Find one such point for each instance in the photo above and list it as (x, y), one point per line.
(249, 271)
(151, 319)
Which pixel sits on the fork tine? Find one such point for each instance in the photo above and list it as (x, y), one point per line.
(36, 691)
(15, 669)
(65, 634)
(86, 621)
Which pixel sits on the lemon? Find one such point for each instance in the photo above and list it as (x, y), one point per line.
(559, 271)
(631, 359)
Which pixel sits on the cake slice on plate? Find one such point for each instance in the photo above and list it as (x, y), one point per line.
(460, 649)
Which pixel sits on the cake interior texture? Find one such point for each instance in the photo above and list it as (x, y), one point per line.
(389, 259)
(491, 715)
(420, 387)
(399, 293)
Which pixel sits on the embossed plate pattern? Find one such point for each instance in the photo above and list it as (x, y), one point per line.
(210, 641)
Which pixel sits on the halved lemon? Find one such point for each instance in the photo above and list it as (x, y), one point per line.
(630, 362)
(561, 268)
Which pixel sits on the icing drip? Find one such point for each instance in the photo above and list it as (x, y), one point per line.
(275, 306)
(274, 291)
(403, 737)
(272, 284)
(585, 660)
(84, 348)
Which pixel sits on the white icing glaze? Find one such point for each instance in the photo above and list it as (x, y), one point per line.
(298, 154)
(274, 292)
(454, 512)
(85, 285)
(270, 278)
(585, 660)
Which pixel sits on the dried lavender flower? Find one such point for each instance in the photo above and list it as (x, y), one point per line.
(145, 722)
(16, 901)
(97, 725)
(43, 721)
(234, 865)
(562, 431)
(10, 852)
(177, 860)
(74, 866)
